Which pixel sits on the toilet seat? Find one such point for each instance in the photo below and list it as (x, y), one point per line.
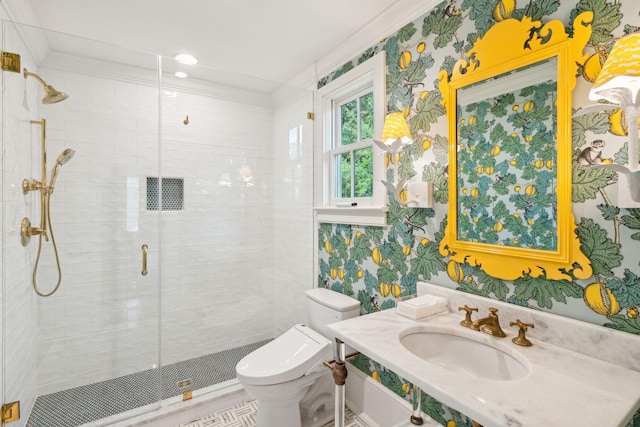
(292, 355)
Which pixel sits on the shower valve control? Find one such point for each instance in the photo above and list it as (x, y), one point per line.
(30, 185)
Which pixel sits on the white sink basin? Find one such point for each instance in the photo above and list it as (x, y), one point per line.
(464, 355)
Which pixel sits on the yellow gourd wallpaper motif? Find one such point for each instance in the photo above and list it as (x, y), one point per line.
(379, 265)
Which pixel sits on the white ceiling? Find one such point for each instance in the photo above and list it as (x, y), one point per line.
(269, 39)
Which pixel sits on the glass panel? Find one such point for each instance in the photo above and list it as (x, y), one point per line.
(90, 350)
(349, 123)
(366, 116)
(364, 172)
(214, 261)
(343, 175)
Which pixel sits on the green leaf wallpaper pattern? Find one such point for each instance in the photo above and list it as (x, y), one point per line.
(379, 265)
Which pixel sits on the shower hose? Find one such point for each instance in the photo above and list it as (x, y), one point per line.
(47, 215)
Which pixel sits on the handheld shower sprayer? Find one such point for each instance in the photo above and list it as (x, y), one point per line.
(26, 230)
(51, 94)
(63, 158)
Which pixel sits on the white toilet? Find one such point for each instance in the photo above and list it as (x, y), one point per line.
(287, 377)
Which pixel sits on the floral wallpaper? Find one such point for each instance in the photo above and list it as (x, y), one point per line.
(378, 265)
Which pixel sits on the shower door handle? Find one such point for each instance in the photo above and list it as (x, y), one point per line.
(145, 251)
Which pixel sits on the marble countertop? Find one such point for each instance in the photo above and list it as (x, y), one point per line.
(564, 386)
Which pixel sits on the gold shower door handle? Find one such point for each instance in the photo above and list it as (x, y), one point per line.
(145, 251)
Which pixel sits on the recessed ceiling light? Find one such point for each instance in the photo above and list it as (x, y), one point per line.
(181, 74)
(185, 58)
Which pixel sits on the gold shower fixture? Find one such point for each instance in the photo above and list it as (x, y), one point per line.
(46, 189)
(51, 94)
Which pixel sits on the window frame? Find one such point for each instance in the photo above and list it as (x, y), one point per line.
(368, 76)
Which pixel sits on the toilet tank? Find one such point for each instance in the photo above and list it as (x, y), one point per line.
(327, 306)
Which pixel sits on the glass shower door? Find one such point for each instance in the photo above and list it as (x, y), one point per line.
(89, 351)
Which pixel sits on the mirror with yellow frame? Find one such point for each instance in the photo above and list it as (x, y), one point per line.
(509, 112)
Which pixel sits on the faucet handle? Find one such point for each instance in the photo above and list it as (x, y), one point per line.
(521, 339)
(467, 318)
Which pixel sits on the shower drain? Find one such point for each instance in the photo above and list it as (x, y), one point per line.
(184, 383)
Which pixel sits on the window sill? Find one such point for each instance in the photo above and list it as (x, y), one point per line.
(376, 216)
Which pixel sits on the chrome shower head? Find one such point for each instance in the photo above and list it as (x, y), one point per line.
(51, 94)
(63, 158)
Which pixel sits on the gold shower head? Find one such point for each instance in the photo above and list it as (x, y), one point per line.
(51, 94)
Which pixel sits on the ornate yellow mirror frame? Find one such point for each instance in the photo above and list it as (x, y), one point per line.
(509, 112)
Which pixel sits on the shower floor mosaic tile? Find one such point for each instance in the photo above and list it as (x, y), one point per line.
(81, 405)
(245, 415)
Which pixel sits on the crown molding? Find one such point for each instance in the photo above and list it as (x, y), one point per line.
(18, 11)
(391, 20)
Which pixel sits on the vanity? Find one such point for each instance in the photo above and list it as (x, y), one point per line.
(573, 374)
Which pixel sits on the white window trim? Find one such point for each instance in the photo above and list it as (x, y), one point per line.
(371, 72)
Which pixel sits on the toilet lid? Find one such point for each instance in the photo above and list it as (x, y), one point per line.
(288, 357)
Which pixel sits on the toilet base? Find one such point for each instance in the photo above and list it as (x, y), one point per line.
(305, 402)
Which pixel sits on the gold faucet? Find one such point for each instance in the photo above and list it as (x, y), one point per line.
(521, 339)
(489, 325)
(467, 318)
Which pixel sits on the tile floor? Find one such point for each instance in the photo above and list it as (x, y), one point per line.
(85, 404)
(245, 415)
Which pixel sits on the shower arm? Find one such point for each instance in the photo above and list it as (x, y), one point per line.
(34, 75)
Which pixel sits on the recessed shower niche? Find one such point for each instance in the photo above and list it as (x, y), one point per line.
(172, 194)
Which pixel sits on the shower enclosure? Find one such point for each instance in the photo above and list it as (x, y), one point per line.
(183, 227)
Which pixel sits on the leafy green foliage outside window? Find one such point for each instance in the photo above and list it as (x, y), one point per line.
(354, 169)
(343, 165)
(364, 172)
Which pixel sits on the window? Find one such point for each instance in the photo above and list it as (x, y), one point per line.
(349, 165)
(352, 152)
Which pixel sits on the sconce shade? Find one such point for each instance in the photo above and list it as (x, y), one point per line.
(395, 126)
(621, 72)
